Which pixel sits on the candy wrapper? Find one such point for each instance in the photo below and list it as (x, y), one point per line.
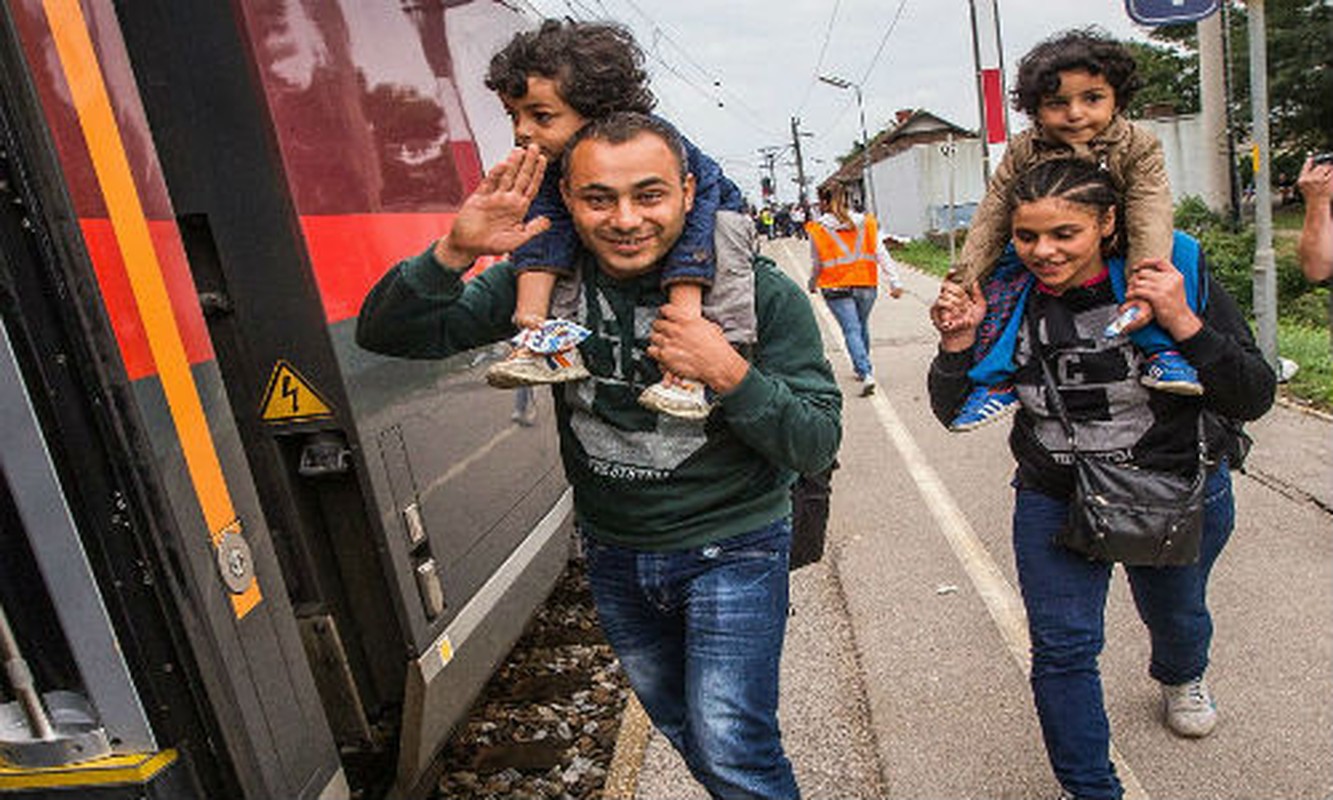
(553, 336)
(1119, 324)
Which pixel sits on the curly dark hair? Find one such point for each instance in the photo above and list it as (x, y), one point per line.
(597, 66)
(1090, 49)
(1074, 180)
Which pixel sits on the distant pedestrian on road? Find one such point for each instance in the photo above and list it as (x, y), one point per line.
(1064, 230)
(798, 221)
(1316, 245)
(782, 220)
(846, 257)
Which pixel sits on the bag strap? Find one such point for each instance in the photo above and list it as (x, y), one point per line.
(1052, 391)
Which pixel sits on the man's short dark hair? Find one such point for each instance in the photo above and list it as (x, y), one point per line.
(622, 126)
(597, 66)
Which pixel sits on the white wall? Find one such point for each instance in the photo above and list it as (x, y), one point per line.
(1182, 140)
(912, 188)
(898, 193)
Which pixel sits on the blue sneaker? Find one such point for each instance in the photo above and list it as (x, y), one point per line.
(984, 405)
(1168, 371)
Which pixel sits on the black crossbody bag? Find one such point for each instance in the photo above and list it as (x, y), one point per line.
(1125, 514)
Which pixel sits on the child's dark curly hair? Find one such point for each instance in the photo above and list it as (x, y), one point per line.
(1090, 49)
(597, 66)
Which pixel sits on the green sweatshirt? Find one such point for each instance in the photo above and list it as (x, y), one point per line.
(642, 479)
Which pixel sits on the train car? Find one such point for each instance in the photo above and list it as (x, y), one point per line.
(241, 558)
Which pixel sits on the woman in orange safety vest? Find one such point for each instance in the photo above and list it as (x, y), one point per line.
(846, 256)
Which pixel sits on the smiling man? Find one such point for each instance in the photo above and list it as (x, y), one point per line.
(685, 523)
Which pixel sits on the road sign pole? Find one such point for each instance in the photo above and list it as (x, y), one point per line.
(1265, 271)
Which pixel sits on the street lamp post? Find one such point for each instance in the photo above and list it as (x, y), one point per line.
(866, 178)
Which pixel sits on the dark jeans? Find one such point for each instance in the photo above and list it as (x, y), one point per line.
(1065, 596)
(699, 633)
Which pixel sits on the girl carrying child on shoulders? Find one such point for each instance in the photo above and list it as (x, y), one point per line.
(1075, 87)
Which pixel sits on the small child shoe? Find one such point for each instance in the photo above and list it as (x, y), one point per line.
(523, 367)
(1168, 371)
(984, 405)
(684, 399)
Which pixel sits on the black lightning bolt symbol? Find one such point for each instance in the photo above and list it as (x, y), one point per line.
(289, 391)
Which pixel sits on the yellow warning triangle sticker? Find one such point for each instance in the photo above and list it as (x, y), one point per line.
(291, 397)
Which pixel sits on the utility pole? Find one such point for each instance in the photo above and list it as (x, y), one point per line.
(867, 176)
(770, 154)
(993, 121)
(1213, 108)
(800, 166)
(1231, 119)
(950, 151)
(1265, 272)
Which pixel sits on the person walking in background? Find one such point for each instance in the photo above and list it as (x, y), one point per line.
(1316, 245)
(798, 221)
(1064, 232)
(846, 258)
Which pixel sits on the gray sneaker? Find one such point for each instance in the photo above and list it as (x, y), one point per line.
(1189, 708)
(684, 399)
(526, 368)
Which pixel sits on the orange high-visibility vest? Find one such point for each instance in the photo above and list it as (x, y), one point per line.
(846, 256)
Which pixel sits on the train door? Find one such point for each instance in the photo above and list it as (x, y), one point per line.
(139, 568)
(403, 519)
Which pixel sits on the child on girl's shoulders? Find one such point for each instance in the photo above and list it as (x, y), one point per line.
(552, 81)
(1075, 87)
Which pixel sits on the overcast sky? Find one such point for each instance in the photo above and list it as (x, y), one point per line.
(766, 55)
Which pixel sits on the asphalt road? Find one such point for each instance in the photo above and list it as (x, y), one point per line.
(905, 670)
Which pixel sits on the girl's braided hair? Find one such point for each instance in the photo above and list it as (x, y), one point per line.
(1077, 181)
(597, 66)
(1090, 49)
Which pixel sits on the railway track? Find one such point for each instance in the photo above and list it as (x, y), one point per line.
(545, 726)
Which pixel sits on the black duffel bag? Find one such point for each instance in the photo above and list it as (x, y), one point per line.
(809, 516)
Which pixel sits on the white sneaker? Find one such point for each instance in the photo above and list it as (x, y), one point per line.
(868, 386)
(526, 368)
(684, 399)
(1189, 708)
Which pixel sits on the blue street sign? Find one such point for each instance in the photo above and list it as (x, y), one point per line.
(1169, 12)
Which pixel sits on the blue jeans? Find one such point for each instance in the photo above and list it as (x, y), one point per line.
(1065, 596)
(699, 633)
(853, 315)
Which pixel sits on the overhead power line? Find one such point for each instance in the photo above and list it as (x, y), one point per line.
(819, 62)
(897, 15)
(879, 51)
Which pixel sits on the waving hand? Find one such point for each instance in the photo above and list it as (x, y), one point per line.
(491, 219)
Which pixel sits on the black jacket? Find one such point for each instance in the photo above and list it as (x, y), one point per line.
(1238, 386)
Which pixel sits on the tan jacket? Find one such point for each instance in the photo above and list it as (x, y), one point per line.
(1133, 156)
